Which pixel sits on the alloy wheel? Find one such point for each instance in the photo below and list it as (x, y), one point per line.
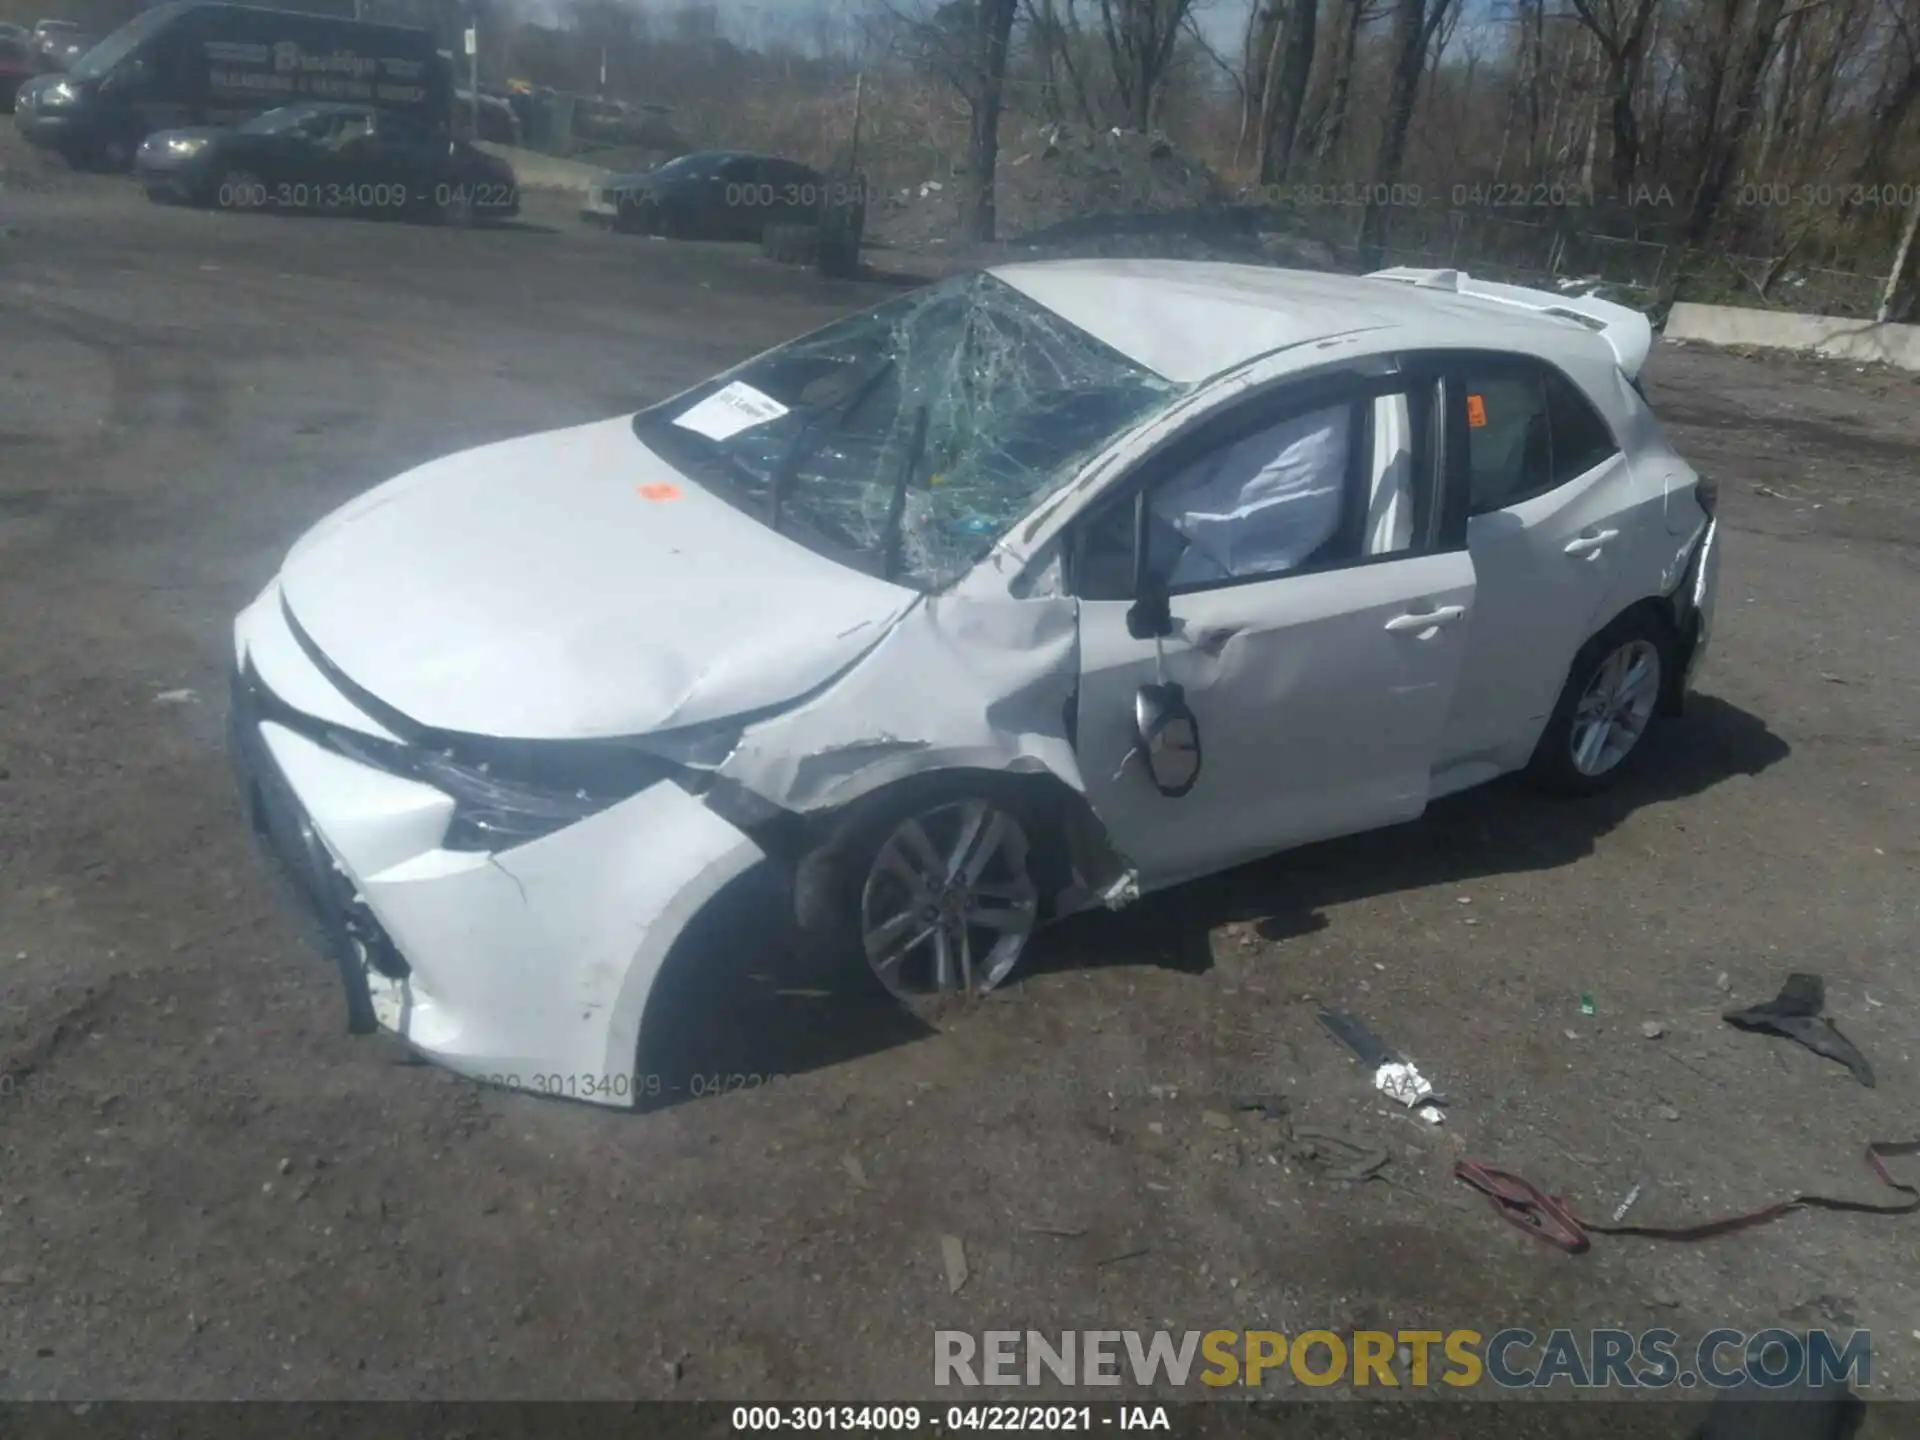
(1615, 708)
(948, 903)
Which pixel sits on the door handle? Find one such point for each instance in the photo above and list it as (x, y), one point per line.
(1425, 620)
(1587, 544)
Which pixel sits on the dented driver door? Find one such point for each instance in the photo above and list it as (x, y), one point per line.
(1320, 692)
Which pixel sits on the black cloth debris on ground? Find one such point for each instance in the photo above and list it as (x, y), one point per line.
(1795, 1013)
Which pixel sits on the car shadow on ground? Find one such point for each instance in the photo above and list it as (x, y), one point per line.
(735, 1006)
(1498, 829)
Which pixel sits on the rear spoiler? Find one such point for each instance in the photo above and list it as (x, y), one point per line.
(1626, 331)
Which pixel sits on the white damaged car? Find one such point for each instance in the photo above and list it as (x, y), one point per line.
(1031, 591)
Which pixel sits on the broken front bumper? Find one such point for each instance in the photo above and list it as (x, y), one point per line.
(531, 968)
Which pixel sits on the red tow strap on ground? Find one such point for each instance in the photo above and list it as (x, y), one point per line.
(1527, 1207)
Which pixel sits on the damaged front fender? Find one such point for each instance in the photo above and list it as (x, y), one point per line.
(961, 685)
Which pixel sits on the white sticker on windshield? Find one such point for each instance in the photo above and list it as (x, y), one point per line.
(728, 411)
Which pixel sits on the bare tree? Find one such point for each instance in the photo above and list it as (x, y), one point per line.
(1622, 28)
(1899, 93)
(1839, 28)
(1725, 135)
(966, 44)
(992, 38)
(1415, 22)
(1289, 66)
(1141, 36)
(1331, 123)
(1247, 79)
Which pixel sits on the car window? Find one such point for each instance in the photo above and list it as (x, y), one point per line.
(1581, 439)
(1260, 506)
(1509, 451)
(352, 130)
(1309, 490)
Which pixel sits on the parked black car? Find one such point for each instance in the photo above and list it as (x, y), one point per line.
(714, 195)
(329, 159)
(20, 61)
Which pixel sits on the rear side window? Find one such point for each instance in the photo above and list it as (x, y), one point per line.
(1581, 439)
(1509, 447)
(1529, 430)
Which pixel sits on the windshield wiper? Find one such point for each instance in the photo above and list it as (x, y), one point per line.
(897, 507)
(797, 452)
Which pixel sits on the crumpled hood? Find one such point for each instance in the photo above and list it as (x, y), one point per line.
(572, 585)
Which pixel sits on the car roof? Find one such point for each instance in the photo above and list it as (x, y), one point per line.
(1189, 320)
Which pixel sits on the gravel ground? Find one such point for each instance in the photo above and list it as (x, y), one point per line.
(208, 1190)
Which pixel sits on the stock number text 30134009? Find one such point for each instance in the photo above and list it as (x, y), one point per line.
(958, 1419)
(294, 195)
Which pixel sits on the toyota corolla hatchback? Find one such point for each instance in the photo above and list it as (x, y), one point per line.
(1031, 591)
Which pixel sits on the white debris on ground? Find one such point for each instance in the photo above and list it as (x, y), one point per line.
(1399, 1080)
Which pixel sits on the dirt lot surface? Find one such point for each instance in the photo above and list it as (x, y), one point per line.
(207, 1189)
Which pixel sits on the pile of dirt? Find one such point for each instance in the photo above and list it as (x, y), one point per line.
(1070, 192)
(1052, 175)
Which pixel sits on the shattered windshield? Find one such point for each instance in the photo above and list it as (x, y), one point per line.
(908, 439)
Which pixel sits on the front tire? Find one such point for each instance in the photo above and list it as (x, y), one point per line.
(240, 190)
(1598, 730)
(935, 892)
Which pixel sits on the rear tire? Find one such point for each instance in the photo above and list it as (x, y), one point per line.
(1598, 729)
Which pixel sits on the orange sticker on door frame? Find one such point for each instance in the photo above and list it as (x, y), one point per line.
(1476, 411)
(659, 492)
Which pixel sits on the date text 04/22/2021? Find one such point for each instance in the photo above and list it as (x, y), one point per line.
(959, 1419)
